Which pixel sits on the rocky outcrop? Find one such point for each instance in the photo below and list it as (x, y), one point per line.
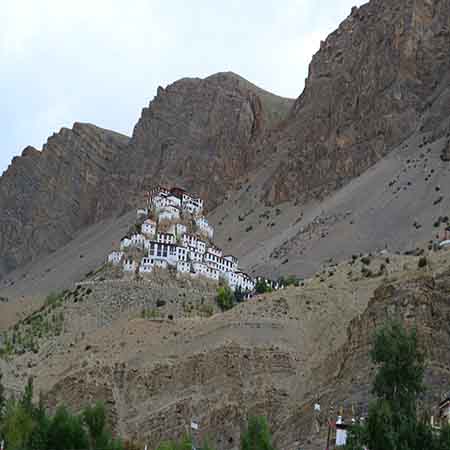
(368, 88)
(218, 388)
(345, 379)
(46, 196)
(195, 133)
(199, 133)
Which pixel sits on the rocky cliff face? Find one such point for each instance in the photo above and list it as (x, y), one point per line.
(45, 197)
(380, 76)
(197, 133)
(344, 380)
(200, 134)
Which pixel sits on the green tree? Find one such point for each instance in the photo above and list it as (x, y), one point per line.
(185, 443)
(239, 295)
(26, 399)
(66, 431)
(17, 427)
(39, 436)
(399, 379)
(100, 436)
(257, 435)
(225, 298)
(2, 398)
(443, 442)
(392, 422)
(95, 420)
(262, 287)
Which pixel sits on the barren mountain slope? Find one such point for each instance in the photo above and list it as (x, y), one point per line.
(60, 269)
(157, 374)
(367, 90)
(395, 204)
(378, 91)
(45, 197)
(195, 132)
(419, 299)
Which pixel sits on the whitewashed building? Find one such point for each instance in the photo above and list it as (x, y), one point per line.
(172, 200)
(115, 257)
(183, 267)
(149, 228)
(239, 280)
(195, 256)
(215, 251)
(202, 269)
(166, 238)
(222, 264)
(146, 265)
(161, 263)
(182, 253)
(159, 201)
(189, 253)
(163, 251)
(189, 241)
(204, 227)
(233, 260)
(129, 265)
(201, 246)
(179, 229)
(125, 243)
(169, 213)
(137, 240)
(245, 281)
(142, 212)
(192, 204)
(158, 249)
(341, 432)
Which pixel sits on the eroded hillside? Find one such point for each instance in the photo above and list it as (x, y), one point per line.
(271, 355)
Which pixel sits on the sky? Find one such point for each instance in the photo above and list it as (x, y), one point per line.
(101, 61)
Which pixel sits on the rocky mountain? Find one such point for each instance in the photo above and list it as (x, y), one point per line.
(358, 163)
(379, 80)
(344, 379)
(378, 88)
(381, 76)
(46, 196)
(197, 133)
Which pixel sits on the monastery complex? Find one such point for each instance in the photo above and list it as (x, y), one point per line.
(172, 233)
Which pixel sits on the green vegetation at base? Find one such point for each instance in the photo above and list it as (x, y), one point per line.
(46, 322)
(257, 435)
(27, 426)
(150, 313)
(392, 423)
(262, 287)
(225, 298)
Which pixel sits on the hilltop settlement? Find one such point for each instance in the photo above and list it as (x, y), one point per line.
(172, 233)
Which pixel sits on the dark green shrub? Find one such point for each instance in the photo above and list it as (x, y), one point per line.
(225, 298)
(422, 262)
(365, 260)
